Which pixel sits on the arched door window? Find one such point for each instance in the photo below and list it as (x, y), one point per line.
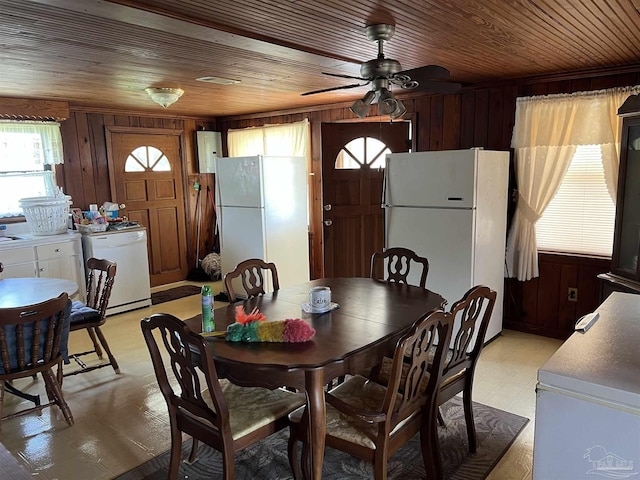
(147, 158)
(363, 152)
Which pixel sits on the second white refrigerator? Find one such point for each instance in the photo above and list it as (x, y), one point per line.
(262, 213)
(451, 207)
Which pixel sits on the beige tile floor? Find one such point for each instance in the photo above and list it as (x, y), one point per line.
(121, 420)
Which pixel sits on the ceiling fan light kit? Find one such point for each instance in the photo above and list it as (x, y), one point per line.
(361, 106)
(387, 104)
(164, 96)
(399, 111)
(382, 72)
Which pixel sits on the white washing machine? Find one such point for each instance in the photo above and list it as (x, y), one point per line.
(128, 248)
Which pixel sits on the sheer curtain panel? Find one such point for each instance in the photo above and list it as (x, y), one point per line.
(274, 140)
(49, 133)
(547, 131)
(28, 151)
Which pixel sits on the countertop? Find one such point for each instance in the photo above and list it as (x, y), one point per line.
(120, 230)
(602, 363)
(29, 240)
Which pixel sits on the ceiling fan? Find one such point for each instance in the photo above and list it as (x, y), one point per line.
(382, 73)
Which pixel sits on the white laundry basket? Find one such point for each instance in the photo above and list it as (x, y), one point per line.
(46, 215)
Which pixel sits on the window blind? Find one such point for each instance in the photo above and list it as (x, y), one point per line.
(580, 218)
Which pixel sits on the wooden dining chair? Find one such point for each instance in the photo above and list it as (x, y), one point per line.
(33, 339)
(252, 274)
(90, 316)
(226, 417)
(372, 421)
(471, 316)
(394, 265)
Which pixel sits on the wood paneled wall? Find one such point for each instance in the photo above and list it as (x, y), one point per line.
(85, 173)
(482, 117)
(542, 305)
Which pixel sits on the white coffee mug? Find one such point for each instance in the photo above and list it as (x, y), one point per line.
(319, 297)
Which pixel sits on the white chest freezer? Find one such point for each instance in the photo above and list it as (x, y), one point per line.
(588, 399)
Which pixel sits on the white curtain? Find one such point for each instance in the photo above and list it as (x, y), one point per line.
(275, 140)
(545, 136)
(49, 133)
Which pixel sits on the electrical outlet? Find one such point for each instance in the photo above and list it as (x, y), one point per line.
(573, 294)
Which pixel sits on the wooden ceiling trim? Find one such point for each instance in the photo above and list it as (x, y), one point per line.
(30, 109)
(75, 108)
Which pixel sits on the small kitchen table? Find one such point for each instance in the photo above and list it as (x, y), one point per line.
(20, 292)
(371, 318)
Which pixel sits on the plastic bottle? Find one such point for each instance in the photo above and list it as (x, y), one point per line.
(208, 324)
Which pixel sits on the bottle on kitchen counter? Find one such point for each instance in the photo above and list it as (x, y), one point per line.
(208, 324)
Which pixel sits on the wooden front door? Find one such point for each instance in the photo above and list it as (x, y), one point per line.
(146, 176)
(353, 157)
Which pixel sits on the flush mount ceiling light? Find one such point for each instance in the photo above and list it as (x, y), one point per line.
(163, 95)
(387, 103)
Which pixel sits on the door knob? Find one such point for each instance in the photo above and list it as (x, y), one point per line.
(328, 223)
(328, 207)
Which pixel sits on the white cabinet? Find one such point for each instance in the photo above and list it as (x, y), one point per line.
(18, 262)
(50, 257)
(61, 260)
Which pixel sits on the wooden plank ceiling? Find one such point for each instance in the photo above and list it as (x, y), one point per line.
(105, 53)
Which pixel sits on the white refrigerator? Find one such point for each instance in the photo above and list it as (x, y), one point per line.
(451, 207)
(262, 213)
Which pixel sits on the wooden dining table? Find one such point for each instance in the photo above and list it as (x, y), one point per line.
(371, 317)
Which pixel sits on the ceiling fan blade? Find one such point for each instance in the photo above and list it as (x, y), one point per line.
(343, 76)
(428, 72)
(432, 86)
(335, 88)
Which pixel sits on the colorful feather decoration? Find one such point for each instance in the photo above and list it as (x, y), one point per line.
(253, 327)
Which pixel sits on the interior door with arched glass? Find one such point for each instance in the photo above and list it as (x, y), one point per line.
(146, 176)
(353, 156)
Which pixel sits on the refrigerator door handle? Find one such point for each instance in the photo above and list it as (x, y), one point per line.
(384, 180)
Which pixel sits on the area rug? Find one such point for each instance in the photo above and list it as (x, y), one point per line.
(174, 293)
(496, 430)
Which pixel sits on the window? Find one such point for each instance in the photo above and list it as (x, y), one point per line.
(147, 158)
(28, 151)
(360, 152)
(548, 131)
(581, 216)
